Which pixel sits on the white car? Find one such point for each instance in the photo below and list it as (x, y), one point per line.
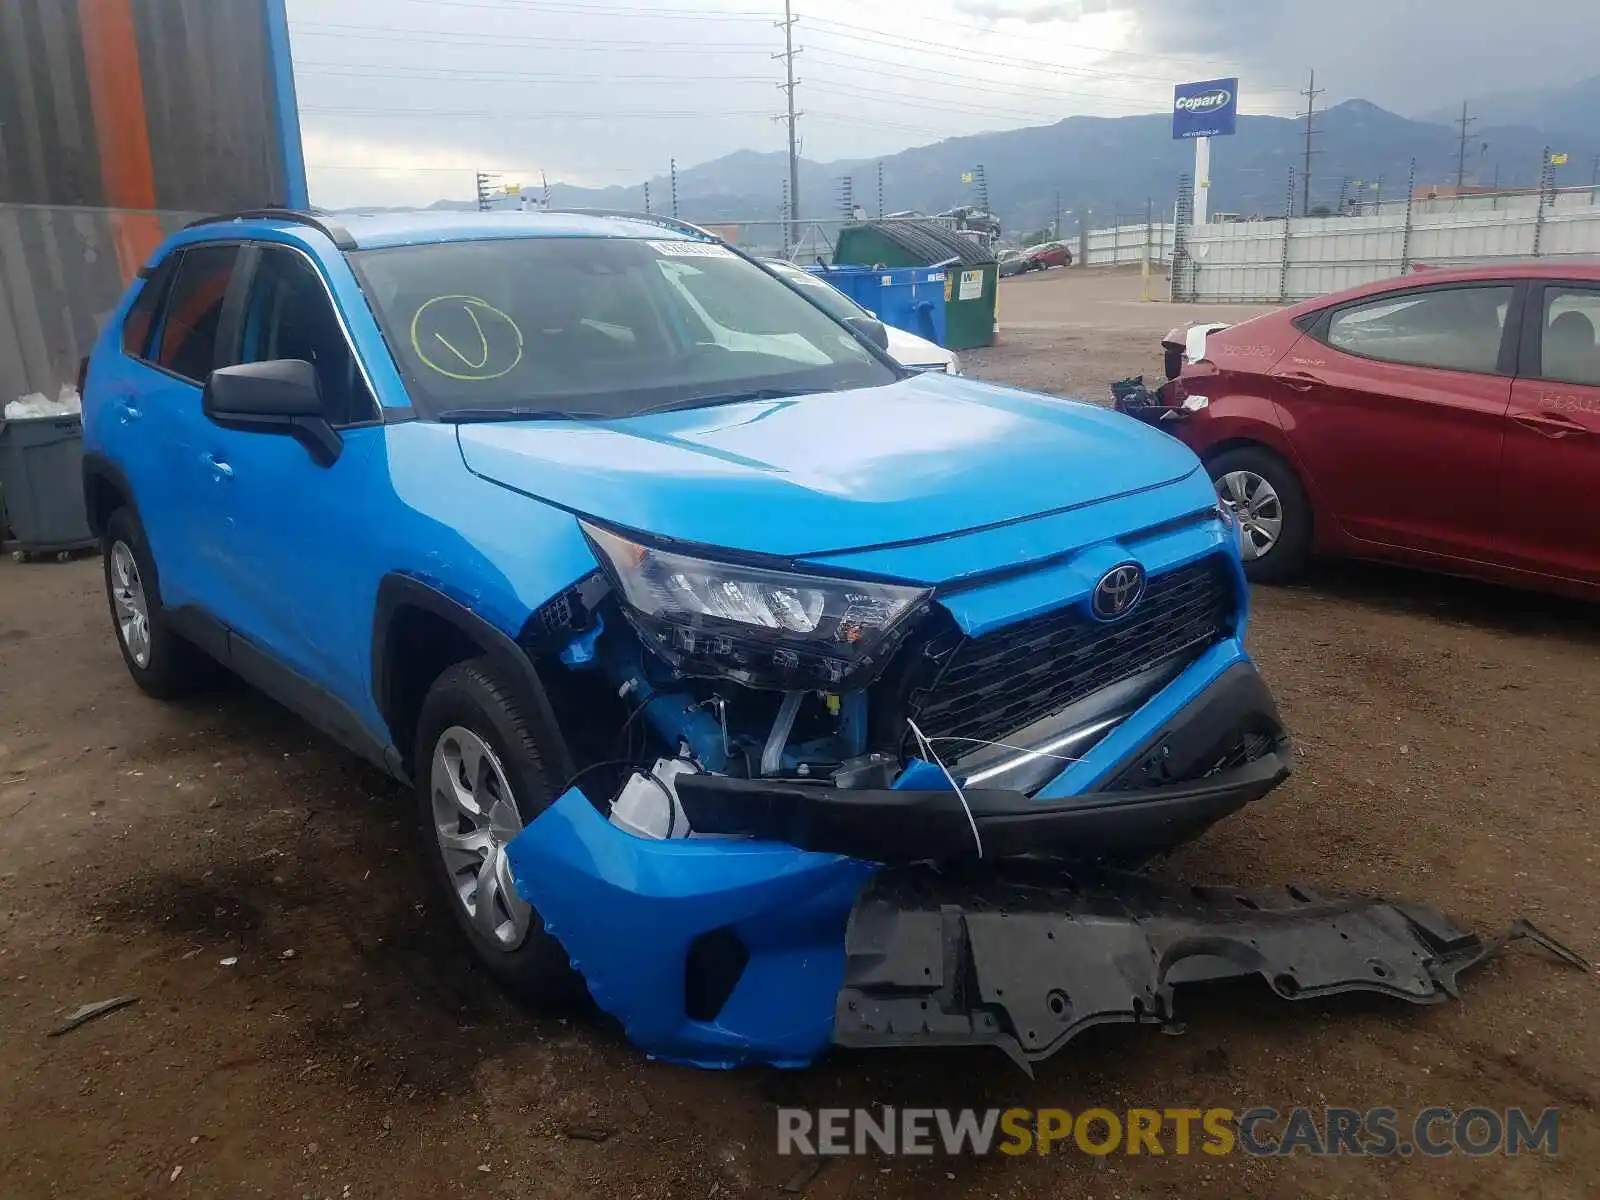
(907, 349)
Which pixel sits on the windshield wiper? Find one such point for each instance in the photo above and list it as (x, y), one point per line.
(464, 416)
(713, 399)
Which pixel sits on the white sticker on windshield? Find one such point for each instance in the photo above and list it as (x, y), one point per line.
(692, 250)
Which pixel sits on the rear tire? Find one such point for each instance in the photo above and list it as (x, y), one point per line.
(1266, 497)
(481, 777)
(160, 661)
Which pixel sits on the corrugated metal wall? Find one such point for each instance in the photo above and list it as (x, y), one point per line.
(1125, 245)
(1249, 262)
(209, 101)
(120, 120)
(200, 70)
(48, 151)
(59, 279)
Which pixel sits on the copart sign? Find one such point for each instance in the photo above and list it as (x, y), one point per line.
(1209, 108)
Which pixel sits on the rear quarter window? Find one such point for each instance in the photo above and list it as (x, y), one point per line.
(141, 318)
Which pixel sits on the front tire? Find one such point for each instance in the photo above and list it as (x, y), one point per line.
(162, 664)
(1271, 508)
(481, 777)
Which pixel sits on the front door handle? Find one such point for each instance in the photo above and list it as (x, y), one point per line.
(129, 412)
(1300, 381)
(1550, 425)
(219, 469)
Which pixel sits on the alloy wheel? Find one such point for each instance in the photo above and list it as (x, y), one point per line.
(132, 608)
(474, 817)
(1255, 505)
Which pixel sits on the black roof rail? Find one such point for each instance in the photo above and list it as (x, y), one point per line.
(672, 223)
(336, 233)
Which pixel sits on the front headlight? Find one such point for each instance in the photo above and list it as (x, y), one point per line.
(765, 628)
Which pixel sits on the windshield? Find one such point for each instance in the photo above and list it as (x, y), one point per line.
(820, 292)
(599, 327)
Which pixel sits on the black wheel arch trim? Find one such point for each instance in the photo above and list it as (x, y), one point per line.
(98, 468)
(396, 591)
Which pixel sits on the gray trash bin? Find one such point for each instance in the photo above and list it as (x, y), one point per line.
(41, 484)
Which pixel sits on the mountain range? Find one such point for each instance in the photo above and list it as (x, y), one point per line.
(1112, 167)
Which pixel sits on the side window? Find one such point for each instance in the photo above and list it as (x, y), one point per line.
(1456, 329)
(1568, 350)
(141, 318)
(288, 315)
(187, 341)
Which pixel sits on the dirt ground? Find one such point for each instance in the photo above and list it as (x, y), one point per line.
(1447, 747)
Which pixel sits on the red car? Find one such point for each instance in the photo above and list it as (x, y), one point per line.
(1046, 255)
(1450, 420)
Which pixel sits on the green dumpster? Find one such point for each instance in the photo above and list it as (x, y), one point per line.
(971, 282)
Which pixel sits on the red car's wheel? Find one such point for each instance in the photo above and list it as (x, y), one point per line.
(1271, 507)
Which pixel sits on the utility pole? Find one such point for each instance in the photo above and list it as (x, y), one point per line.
(1055, 228)
(672, 169)
(1311, 93)
(880, 189)
(1466, 123)
(983, 188)
(847, 198)
(788, 86)
(647, 197)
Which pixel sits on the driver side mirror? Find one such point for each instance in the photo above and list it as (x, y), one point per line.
(281, 396)
(872, 329)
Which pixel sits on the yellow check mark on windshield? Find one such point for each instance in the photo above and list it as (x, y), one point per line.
(482, 338)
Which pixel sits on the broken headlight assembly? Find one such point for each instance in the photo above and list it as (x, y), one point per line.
(760, 627)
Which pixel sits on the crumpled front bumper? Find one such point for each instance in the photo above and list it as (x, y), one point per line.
(771, 946)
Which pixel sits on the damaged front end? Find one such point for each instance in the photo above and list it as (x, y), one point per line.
(776, 757)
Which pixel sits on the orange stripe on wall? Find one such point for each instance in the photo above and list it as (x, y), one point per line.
(122, 132)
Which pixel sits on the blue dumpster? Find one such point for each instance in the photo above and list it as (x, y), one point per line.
(909, 298)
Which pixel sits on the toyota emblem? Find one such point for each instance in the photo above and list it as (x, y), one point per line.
(1118, 591)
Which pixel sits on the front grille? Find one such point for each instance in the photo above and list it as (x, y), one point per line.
(995, 685)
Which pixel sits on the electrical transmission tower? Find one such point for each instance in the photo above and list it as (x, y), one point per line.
(485, 185)
(980, 182)
(847, 198)
(1311, 93)
(788, 86)
(1466, 123)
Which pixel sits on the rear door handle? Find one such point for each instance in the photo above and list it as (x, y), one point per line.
(1550, 425)
(1300, 381)
(219, 469)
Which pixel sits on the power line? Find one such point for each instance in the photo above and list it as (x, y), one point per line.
(545, 115)
(920, 75)
(598, 10)
(860, 33)
(480, 75)
(470, 38)
(1311, 93)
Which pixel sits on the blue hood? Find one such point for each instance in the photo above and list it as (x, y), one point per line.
(924, 457)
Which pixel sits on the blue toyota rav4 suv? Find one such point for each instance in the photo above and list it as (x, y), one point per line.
(722, 654)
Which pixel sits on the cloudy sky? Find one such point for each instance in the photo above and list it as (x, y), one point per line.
(402, 100)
